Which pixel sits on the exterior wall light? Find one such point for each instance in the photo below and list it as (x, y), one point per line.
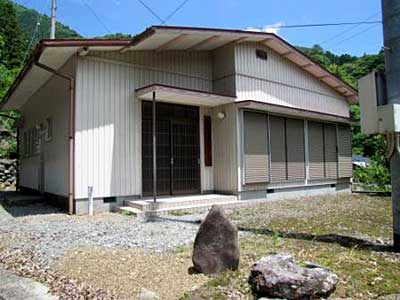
(221, 115)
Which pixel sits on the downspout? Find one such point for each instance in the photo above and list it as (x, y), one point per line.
(71, 134)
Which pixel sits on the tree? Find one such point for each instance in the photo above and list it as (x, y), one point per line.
(12, 46)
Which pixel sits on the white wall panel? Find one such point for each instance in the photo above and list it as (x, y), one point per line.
(192, 70)
(225, 149)
(50, 101)
(108, 117)
(224, 70)
(207, 173)
(107, 131)
(278, 81)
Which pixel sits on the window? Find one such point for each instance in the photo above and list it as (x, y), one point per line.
(261, 54)
(31, 141)
(48, 129)
(207, 141)
(256, 156)
(36, 139)
(26, 144)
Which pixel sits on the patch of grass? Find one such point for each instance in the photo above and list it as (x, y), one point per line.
(126, 213)
(332, 232)
(183, 248)
(178, 213)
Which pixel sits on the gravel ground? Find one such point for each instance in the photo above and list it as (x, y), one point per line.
(48, 233)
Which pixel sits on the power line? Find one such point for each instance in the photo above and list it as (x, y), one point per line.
(151, 11)
(35, 33)
(347, 30)
(357, 34)
(323, 25)
(175, 11)
(96, 16)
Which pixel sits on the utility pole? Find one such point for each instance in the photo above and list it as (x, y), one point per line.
(53, 20)
(391, 34)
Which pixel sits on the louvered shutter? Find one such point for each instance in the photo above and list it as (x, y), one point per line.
(330, 151)
(295, 149)
(278, 148)
(344, 151)
(316, 150)
(256, 158)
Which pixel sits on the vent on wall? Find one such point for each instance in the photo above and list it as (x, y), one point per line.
(110, 199)
(261, 54)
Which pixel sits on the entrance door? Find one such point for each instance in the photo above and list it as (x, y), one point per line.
(178, 149)
(186, 158)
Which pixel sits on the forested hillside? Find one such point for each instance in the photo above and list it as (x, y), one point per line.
(18, 25)
(28, 18)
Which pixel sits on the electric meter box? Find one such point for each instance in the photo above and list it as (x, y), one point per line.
(376, 115)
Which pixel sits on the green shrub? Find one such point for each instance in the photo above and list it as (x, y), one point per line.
(376, 176)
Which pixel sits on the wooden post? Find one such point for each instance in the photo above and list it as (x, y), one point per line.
(154, 150)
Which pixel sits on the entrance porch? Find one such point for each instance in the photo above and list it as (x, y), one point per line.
(177, 131)
(164, 205)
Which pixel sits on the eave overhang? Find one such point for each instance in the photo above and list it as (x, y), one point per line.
(177, 95)
(55, 53)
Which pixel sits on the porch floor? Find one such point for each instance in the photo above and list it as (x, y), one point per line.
(164, 205)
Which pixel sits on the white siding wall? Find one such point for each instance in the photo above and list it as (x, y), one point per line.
(278, 81)
(108, 117)
(225, 149)
(207, 173)
(50, 101)
(184, 69)
(224, 71)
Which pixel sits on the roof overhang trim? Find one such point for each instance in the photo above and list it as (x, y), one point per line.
(177, 95)
(55, 53)
(291, 111)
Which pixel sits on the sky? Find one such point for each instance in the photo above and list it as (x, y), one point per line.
(129, 16)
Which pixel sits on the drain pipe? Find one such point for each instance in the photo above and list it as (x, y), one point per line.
(71, 134)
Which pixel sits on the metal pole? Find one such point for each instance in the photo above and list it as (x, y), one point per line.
(53, 20)
(90, 197)
(391, 33)
(154, 150)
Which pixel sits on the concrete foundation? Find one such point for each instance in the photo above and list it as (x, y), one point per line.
(296, 192)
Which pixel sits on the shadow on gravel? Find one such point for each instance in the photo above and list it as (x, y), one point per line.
(342, 240)
(21, 205)
(30, 210)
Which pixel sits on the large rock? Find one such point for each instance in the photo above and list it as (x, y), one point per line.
(278, 276)
(216, 246)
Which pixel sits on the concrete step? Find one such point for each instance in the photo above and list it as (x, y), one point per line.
(191, 208)
(131, 210)
(174, 203)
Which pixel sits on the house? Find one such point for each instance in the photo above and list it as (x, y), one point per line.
(237, 113)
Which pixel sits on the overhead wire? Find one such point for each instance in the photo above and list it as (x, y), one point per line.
(347, 30)
(149, 9)
(34, 34)
(175, 11)
(323, 24)
(355, 35)
(96, 16)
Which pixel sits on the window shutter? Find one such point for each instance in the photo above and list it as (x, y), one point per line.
(295, 149)
(278, 148)
(330, 151)
(316, 150)
(256, 158)
(344, 151)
